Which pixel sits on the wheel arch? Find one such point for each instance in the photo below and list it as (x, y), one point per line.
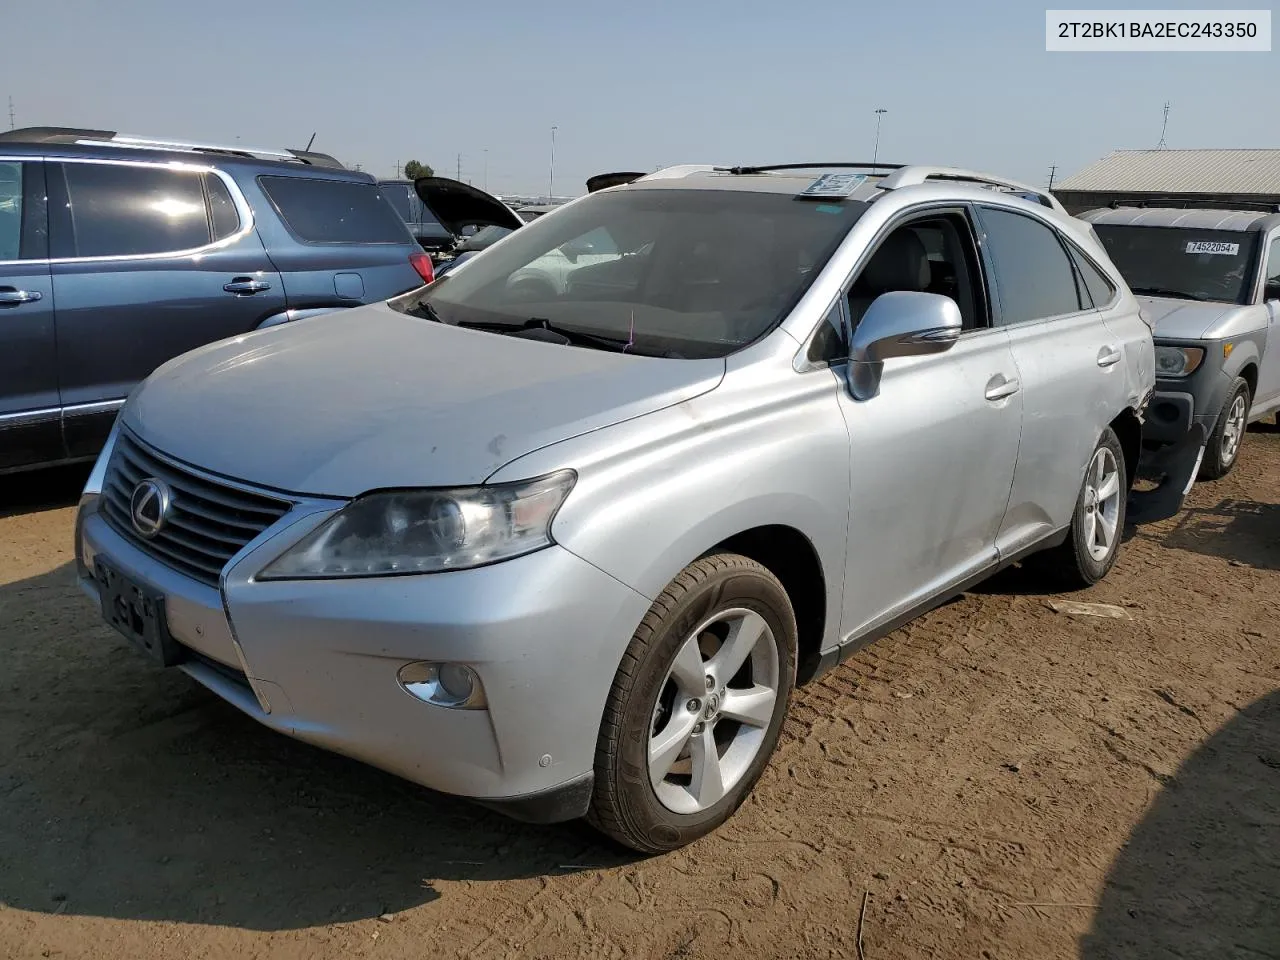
(791, 557)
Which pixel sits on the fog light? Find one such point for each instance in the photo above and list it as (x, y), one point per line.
(444, 684)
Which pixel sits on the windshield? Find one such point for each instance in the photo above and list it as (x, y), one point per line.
(1182, 263)
(689, 273)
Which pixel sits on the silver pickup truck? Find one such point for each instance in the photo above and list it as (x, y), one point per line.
(1209, 281)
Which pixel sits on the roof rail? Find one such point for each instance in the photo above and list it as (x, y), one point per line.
(914, 175)
(87, 137)
(1190, 203)
(843, 165)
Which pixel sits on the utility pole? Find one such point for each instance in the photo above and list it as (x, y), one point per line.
(1162, 145)
(551, 187)
(486, 169)
(1053, 170)
(11, 113)
(397, 169)
(459, 176)
(875, 153)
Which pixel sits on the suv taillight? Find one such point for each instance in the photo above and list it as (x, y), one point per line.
(422, 263)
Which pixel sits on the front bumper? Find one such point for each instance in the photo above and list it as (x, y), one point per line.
(1179, 403)
(318, 660)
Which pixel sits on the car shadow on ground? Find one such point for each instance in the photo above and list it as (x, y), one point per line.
(131, 792)
(46, 489)
(1200, 875)
(1242, 531)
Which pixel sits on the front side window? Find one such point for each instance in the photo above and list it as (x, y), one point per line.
(665, 271)
(1182, 263)
(118, 210)
(10, 211)
(1034, 278)
(335, 211)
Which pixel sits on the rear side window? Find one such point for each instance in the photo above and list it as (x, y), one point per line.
(10, 211)
(1100, 289)
(1033, 275)
(335, 211)
(119, 211)
(222, 209)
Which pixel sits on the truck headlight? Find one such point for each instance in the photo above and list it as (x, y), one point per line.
(427, 531)
(1177, 361)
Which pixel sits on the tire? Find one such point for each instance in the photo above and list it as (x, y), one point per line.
(653, 701)
(1079, 562)
(1223, 449)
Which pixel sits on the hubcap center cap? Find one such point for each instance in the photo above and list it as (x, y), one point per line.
(714, 700)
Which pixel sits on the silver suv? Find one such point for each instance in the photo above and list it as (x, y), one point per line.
(567, 551)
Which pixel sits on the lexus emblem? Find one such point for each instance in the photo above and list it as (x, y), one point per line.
(149, 506)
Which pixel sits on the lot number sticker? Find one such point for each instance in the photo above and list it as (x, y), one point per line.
(833, 185)
(1213, 246)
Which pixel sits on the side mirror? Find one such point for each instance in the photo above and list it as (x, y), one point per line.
(899, 324)
(1271, 291)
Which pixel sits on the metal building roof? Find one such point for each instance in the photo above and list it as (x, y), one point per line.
(1181, 171)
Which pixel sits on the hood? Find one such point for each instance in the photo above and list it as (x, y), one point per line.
(456, 205)
(351, 401)
(1174, 319)
(603, 181)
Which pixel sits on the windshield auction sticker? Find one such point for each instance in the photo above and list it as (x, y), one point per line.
(1158, 31)
(1213, 246)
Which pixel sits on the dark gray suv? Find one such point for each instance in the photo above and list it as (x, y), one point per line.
(117, 254)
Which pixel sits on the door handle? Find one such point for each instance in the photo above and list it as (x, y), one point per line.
(1000, 386)
(15, 298)
(246, 286)
(1109, 356)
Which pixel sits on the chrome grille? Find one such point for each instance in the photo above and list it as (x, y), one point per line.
(209, 521)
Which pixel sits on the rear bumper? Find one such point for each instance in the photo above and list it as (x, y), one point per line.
(318, 660)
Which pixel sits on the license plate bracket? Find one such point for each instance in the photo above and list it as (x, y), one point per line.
(137, 613)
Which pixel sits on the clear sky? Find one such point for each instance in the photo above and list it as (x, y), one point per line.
(629, 86)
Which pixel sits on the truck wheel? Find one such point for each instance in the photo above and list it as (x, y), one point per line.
(1224, 445)
(696, 706)
(1093, 541)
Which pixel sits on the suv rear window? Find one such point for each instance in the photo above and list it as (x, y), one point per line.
(335, 211)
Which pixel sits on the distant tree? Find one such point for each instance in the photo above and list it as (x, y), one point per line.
(413, 170)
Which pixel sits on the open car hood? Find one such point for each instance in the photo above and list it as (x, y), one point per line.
(603, 181)
(457, 205)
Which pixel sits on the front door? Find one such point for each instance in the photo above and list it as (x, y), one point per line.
(933, 453)
(30, 427)
(149, 262)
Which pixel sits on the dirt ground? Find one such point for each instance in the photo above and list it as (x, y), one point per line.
(997, 780)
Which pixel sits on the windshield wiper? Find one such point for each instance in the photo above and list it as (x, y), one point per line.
(578, 337)
(1166, 292)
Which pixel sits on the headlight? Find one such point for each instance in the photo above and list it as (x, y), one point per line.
(426, 531)
(1177, 361)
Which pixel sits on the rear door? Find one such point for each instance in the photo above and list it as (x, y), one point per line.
(338, 242)
(150, 261)
(1269, 374)
(1070, 365)
(30, 431)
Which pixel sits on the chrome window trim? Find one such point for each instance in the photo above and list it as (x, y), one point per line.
(23, 418)
(44, 414)
(243, 209)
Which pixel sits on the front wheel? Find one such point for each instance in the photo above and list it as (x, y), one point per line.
(1224, 445)
(1093, 541)
(697, 705)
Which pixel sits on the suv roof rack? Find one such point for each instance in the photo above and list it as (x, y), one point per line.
(914, 175)
(1190, 203)
(88, 137)
(769, 168)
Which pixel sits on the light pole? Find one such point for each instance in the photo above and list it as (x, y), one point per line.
(551, 188)
(875, 153)
(486, 169)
